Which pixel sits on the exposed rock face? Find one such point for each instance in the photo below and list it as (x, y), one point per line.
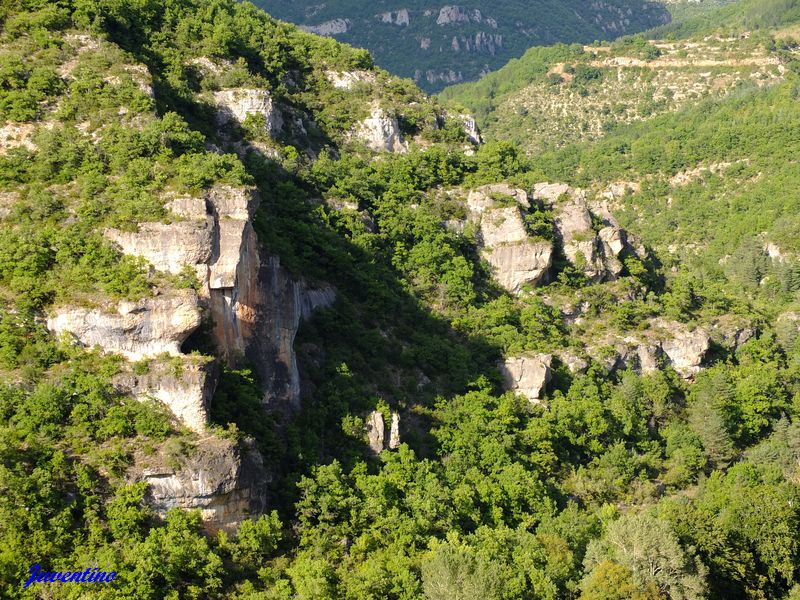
(470, 127)
(527, 375)
(732, 331)
(381, 132)
(394, 432)
(254, 304)
(137, 329)
(332, 27)
(574, 362)
(245, 293)
(582, 246)
(269, 339)
(239, 103)
(686, 349)
(170, 247)
(597, 253)
(16, 135)
(458, 14)
(376, 432)
(666, 342)
(487, 43)
(550, 191)
(186, 388)
(434, 77)
(518, 265)
(227, 483)
(613, 239)
(649, 357)
(347, 80)
(401, 17)
(516, 259)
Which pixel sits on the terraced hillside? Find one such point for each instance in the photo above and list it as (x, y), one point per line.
(554, 97)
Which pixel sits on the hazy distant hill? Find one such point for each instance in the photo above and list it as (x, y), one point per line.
(439, 44)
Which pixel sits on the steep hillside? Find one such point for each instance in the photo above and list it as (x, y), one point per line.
(556, 96)
(445, 44)
(727, 17)
(275, 324)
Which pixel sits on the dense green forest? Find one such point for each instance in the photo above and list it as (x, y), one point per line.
(620, 485)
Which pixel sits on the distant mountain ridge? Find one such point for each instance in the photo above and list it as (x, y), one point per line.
(442, 44)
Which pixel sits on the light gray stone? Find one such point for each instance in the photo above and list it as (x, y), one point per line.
(380, 132)
(235, 105)
(376, 431)
(527, 375)
(225, 481)
(136, 330)
(187, 388)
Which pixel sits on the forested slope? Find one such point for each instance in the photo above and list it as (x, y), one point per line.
(419, 370)
(441, 44)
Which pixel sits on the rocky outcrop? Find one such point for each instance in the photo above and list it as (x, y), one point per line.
(394, 432)
(235, 105)
(732, 331)
(470, 127)
(516, 259)
(527, 375)
(225, 481)
(347, 80)
(171, 247)
(664, 343)
(136, 330)
(401, 17)
(186, 387)
(381, 132)
(376, 432)
(596, 251)
(574, 361)
(332, 27)
(487, 43)
(551, 192)
(585, 248)
(685, 349)
(434, 77)
(449, 15)
(269, 341)
(254, 305)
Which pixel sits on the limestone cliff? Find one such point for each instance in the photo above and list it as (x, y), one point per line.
(380, 132)
(516, 259)
(225, 481)
(186, 386)
(527, 375)
(254, 304)
(254, 307)
(662, 343)
(596, 251)
(235, 105)
(136, 330)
